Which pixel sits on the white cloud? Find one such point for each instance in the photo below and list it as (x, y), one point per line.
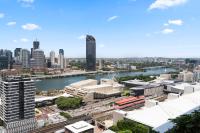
(112, 18)
(26, 3)
(176, 22)
(30, 27)
(2, 15)
(164, 4)
(167, 31)
(24, 40)
(82, 37)
(12, 23)
(166, 24)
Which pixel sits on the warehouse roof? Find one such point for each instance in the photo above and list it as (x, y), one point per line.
(158, 116)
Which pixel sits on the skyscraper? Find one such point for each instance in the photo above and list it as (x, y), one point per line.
(90, 53)
(8, 55)
(38, 59)
(17, 108)
(3, 62)
(25, 58)
(36, 45)
(17, 52)
(61, 58)
(52, 57)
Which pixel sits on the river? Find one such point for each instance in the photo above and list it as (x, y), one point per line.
(60, 83)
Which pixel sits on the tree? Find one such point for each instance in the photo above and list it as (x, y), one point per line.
(129, 126)
(189, 123)
(65, 103)
(66, 115)
(126, 131)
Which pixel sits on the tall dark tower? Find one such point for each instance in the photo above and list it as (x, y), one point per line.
(90, 53)
(61, 51)
(36, 45)
(17, 52)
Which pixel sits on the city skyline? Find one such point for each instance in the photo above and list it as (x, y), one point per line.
(122, 28)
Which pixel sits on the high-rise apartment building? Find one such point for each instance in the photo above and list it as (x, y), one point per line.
(17, 108)
(90, 53)
(52, 57)
(25, 58)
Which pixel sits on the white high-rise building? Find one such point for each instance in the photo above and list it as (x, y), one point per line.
(100, 64)
(24, 57)
(61, 60)
(17, 108)
(52, 57)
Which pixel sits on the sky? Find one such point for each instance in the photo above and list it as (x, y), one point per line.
(122, 28)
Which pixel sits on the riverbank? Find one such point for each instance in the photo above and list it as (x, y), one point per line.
(60, 83)
(71, 74)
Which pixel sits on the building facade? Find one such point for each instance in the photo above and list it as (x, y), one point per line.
(90, 53)
(52, 57)
(61, 59)
(17, 52)
(17, 108)
(25, 58)
(3, 62)
(38, 59)
(8, 55)
(36, 45)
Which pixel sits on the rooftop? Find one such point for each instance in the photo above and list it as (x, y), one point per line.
(46, 98)
(129, 99)
(136, 82)
(181, 86)
(158, 116)
(97, 86)
(151, 85)
(79, 127)
(83, 83)
(108, 91)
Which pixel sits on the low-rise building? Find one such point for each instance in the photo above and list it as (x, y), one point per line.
(79, 127)
(89, 90)
(158, 116)
(152, 90)
(183, 88)
(130, 102)
(186, 76)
